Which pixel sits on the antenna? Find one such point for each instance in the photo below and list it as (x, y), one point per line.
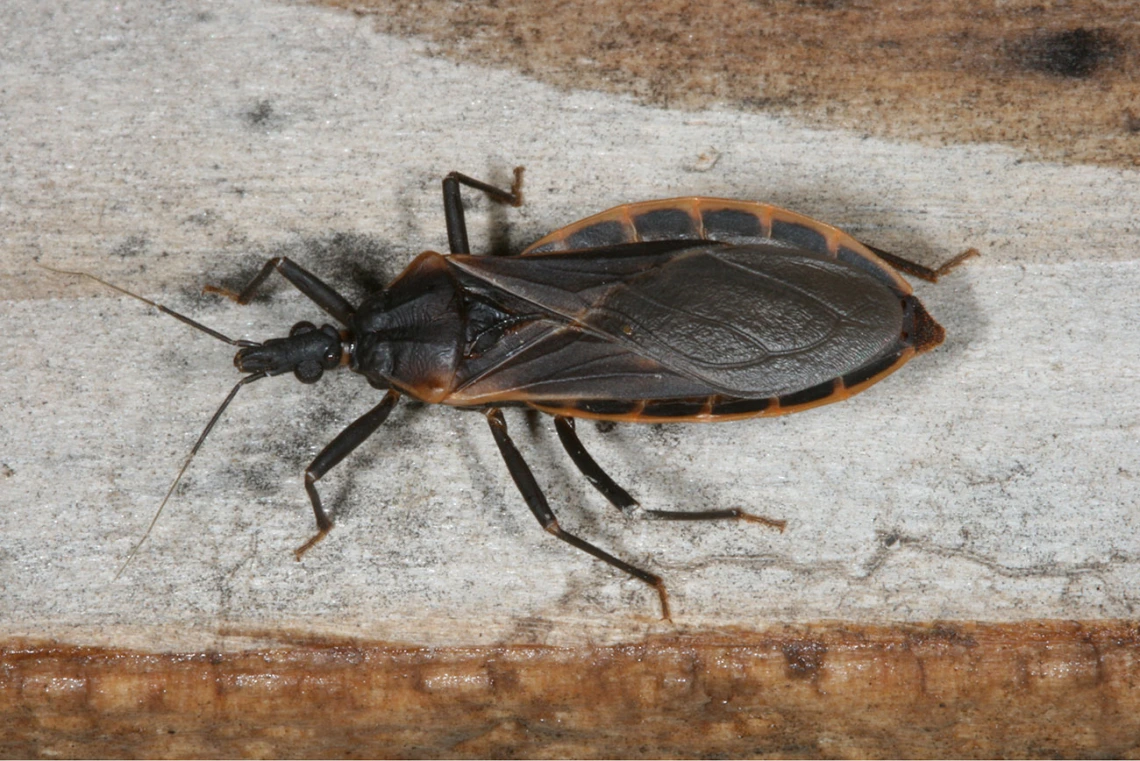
(209, 426)
(165, 310)
(186, 464)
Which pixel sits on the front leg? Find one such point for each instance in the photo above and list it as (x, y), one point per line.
(339, 448)
(306, 282)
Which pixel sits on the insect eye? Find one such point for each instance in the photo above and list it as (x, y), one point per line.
(308, 372)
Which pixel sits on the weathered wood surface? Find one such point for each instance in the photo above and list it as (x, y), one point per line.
(167, 147)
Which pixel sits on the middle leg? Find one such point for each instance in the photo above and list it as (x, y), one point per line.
(453, 205)
(538, 505)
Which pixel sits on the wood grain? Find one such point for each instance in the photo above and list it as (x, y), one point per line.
(1037, 689)
(1058, 80)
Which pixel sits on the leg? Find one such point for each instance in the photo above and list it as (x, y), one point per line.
(734, 513)
(918, 270)
(538, 505)
(306, 282)
(617, 496)
(620, 498)
(453, 205)
(339, 448)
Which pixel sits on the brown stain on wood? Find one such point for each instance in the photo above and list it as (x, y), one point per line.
(1034, 689)
(1058, 80)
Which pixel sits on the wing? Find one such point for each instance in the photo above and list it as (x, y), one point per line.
(750, 321)
(550, 361)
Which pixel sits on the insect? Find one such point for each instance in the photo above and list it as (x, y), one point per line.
(681, 310)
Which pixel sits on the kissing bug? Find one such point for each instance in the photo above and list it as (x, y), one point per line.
(682, 310)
